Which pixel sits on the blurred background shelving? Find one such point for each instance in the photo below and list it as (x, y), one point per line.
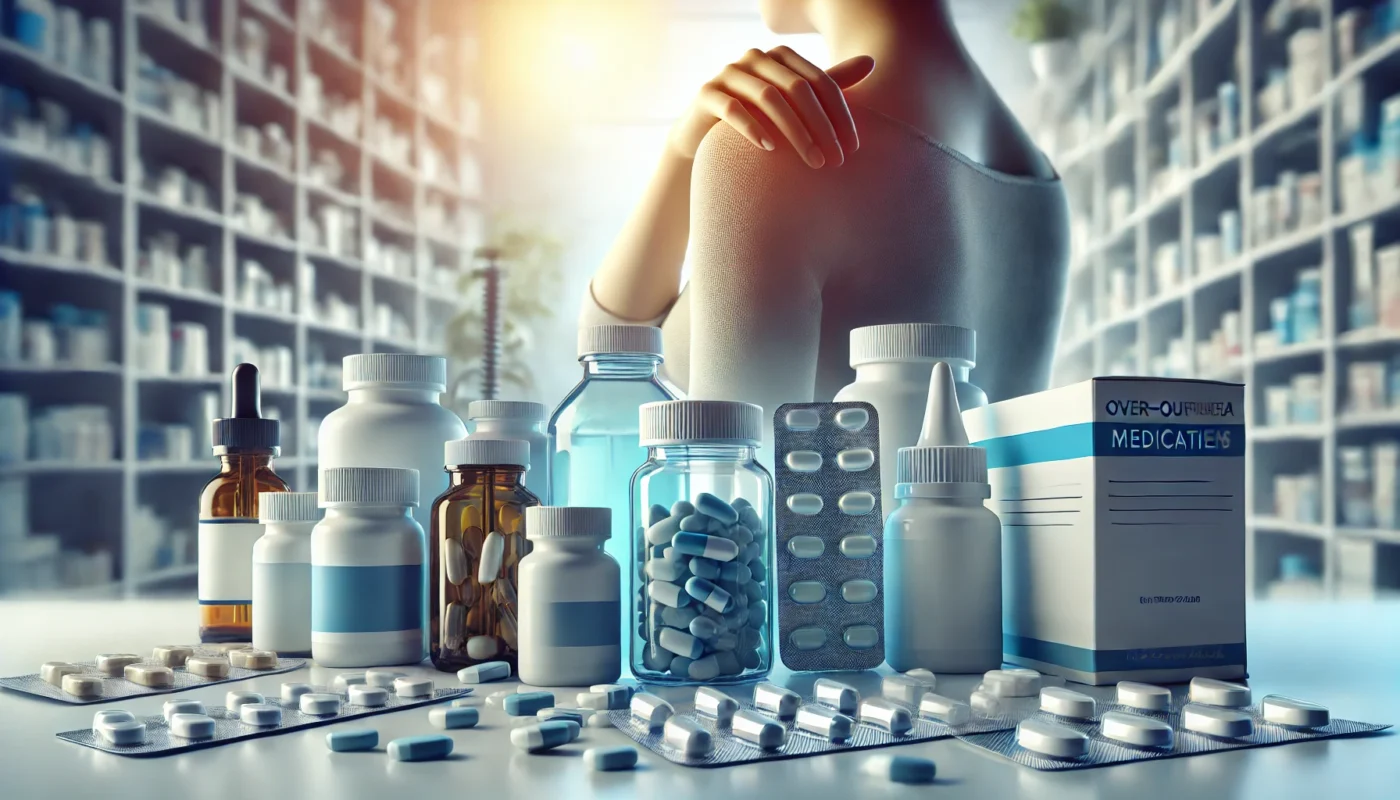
(186, 184)
(1233, 170)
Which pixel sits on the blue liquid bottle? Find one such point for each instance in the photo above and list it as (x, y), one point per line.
(594, 433)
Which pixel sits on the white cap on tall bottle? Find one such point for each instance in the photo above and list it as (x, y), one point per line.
(399, 370)
(943, 454)
(640, 339)
(505, 409)
(368, 486)
(914, 341)
(487, 453)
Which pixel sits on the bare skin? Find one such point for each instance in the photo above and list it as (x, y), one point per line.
(902, 58)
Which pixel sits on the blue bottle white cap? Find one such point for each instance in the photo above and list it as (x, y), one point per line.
(641, 339)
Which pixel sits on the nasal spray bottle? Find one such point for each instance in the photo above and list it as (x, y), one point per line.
(943, 548)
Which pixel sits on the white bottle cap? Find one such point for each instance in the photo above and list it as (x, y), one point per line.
(505, 409)
(619, 339)
(366, 370)
(914, 341)
(546, 522)
(288, 507)
(943, 454)
(487, 453)
(368, 486)
(701, 421)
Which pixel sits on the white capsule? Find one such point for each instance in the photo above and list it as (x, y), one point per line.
(802, 419)
(852, 419)
(192, 726)
(383, 678)
(1219, 693)
(927, 678)
(1144, 696)
(484, 673)
(1066, 702)
(207, 666)
(149, 675)
(483, 647)
(944, 709)
(110, 716)
(803, 461)
(1216, 721)
(345, 680)
(717, 704)
(1294, 713)
(1014, 682)
(454, 561)
(171, 655)
(776, 700)
(236, 699)
(114, 664)
(840, 696)
(825, 722)
(492, 552)
(292, 692)
(806, 547)
(249, 658)
(413, 687)
(1051, 739)
(752, 726)
(857, 460)
(650, 709)
(1135, 730)
(988, 705)
(688, 736)
(85, 686)
(173, 707)
(367, 696)
(122, 733)
(856, 504)
(319, 704)
(887, 715)
(260, 714)
(805, 504)
(903, 689)
(53, 671)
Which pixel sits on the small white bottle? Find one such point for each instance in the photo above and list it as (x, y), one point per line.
(282, 572)
(367, 569)
(570, 592)
(943, 549)
(893, 364)
(515, 419)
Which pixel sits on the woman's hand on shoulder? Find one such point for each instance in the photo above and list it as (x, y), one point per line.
(774, 98)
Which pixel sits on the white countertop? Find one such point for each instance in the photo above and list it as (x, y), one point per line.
(1343, 656)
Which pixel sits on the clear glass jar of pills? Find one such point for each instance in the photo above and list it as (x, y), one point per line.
(702, 545)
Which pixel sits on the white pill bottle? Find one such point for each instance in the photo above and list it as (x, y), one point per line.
(570, 592)
(515, 419)
(943, 549)
(367, 569)
(893, 364)
(282, 572)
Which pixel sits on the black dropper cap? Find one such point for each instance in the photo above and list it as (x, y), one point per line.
(246, 431)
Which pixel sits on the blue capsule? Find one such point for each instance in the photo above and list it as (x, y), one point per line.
(527, 704)
(708, 593)
(700, 544)
(352, 741)
(712, 506)
(608, 759)
(420, 748)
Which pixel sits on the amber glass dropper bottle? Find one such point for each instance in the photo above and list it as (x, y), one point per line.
(228, 512)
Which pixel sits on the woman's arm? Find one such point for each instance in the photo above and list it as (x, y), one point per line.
(756, 284)
(774, 99)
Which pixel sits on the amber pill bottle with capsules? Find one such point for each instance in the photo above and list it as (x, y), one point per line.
(474, 552)
(228, 512)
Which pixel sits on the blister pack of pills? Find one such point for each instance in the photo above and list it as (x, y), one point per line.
(1086, 726)
(728, 726)
(830, 560)
(170, 668)
(188, 724)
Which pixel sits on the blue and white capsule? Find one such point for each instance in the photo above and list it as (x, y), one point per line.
(709, 594)
(544, 735)
(706, 546)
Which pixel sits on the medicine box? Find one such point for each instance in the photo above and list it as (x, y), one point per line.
(1122, 510)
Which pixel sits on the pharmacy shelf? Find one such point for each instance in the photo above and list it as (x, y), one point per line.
(136, 130)
(1094, 161)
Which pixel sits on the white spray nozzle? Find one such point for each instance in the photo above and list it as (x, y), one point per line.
(943, 426)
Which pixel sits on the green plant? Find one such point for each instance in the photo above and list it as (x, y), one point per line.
(531, 267)
(1045, 21)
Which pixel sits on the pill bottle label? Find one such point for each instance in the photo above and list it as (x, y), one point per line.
(282, 613)
(377, 599)
(226, 560)
(581, 624)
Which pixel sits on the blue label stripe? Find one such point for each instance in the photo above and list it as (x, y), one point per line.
(1085, 660)
(1088, 439)
(581, 624)
(366, 599)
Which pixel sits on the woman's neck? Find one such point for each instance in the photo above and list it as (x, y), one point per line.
(910, 38)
